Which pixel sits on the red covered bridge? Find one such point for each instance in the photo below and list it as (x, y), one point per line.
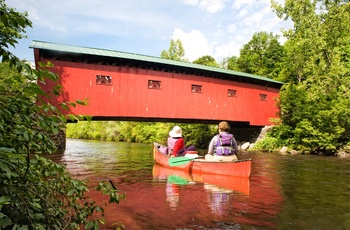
(125, 86)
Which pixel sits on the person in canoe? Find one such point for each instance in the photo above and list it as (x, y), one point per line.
(223, 146)
(176, 143)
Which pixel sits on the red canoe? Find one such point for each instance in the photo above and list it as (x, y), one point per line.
(241, 168)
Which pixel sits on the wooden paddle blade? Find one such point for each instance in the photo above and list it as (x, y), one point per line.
(179, 161)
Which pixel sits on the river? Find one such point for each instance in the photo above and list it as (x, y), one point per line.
(283, 192)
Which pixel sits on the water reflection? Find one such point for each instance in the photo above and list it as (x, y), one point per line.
(172, 195)
(219, 188)
(218, 198)
(284, 192)
(228, 183)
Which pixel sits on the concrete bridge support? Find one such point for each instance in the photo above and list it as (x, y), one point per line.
(60, 140)
(247, 134)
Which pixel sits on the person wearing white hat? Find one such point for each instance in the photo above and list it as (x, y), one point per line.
(176, 143)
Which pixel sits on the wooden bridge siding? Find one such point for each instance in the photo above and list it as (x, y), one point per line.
(128, 96)
(247, 106)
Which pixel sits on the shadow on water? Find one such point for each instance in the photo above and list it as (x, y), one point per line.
(284, 192)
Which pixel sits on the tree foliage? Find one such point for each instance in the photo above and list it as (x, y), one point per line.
(12, 27)
(198, 135)
(230, 63)
(207, 60)
(262, 55)
(35, 193)
(94, 130)
(175, 52)
(314, 102)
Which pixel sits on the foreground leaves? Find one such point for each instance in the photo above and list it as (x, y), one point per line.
(36, 193)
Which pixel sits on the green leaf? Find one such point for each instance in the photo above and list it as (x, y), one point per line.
(64, 106)
(36, 90)
(26, 135)
(4, 200)
(8, 150)
(81, 102)
(23, 227)
(70, 192)
(4, 222)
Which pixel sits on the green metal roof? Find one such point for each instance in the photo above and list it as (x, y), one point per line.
(139, 57)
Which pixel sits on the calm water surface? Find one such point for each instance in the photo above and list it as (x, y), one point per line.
(284, 192)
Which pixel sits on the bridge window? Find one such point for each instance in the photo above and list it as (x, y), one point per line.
(263, 97)
(196, 88)
(103, 80)
(232, 93)
(152, 84)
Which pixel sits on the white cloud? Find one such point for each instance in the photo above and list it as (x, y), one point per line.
(226, 50)
(237, 4)
(194, 43)
(211, 6)
(242, 13)
(205, 27)
(95, 17)
(252, 4)
(191, 2)
(253, 20)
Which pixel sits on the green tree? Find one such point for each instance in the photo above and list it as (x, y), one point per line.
(207, 60)
(35, 193)
(94, 130)
(12, 27)
(230, 63)
(262, 55)
(175, 52)
(314, 102)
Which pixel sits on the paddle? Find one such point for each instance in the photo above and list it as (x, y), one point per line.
(180, 160)
(173, 179)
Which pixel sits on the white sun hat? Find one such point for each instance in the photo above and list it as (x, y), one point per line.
(176, 132)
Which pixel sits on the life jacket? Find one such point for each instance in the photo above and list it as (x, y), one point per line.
(171, 144)
(225, 145)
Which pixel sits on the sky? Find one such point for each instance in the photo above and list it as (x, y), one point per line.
(218, 28)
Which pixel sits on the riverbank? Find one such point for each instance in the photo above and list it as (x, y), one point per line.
(198, 135)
